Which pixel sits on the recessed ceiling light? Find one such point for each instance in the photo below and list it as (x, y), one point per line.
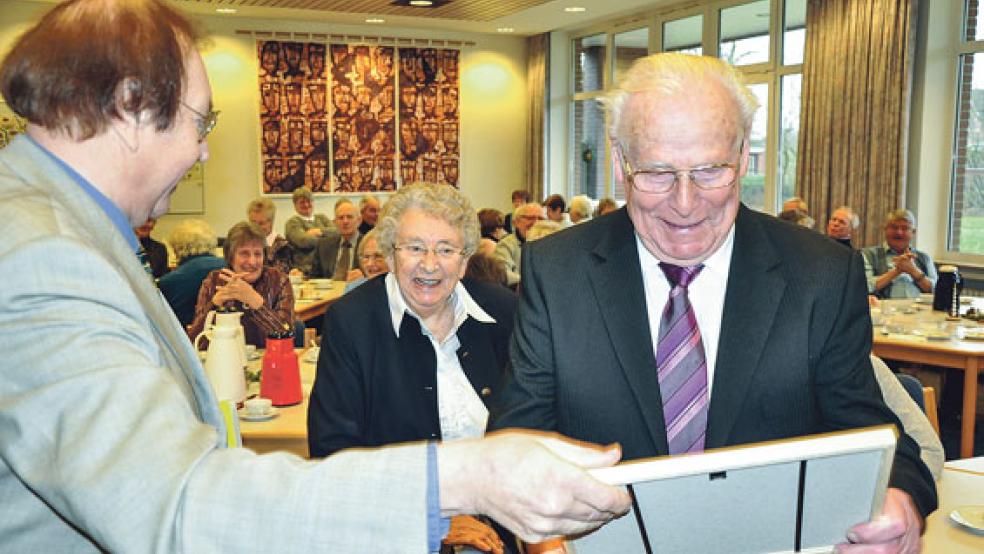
(422, 3)
(375, 20)
(574, 9)
(226, 10)
(505, 29)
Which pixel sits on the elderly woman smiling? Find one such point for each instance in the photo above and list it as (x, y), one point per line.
(417, 354)
(264, 293)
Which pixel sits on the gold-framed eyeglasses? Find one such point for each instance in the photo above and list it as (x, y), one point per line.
(205, 122)
(661, 178)
(418, 252)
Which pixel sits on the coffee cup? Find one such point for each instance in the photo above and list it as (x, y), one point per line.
(250, 351)
(258, 406)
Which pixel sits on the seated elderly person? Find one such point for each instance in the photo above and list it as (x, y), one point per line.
(510, 248)
(263, 293)
(305, 228)
(895, 269)
(371, 260)
(580, 209)
(416, 354)
(605, 206)
(841, 224)
(279, 254)
(193, 243)
(491, 224)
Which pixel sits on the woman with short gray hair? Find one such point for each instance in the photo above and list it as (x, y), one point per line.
(194, 245)
(417, 354)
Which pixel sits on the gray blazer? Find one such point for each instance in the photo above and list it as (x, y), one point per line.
(110, 438)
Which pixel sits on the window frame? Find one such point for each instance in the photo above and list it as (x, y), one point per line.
(770, 73)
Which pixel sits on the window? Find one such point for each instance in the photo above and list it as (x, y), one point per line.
(739, 32)
(684, 35)
(744, 33)
(967, 174)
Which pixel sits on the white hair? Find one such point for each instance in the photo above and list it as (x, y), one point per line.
(674, 73)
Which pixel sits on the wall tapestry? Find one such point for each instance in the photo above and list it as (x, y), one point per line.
(293, 116)
(299, 111)
(429, 115)
(363, 118)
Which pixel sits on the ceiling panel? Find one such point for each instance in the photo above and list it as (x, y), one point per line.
(468, 10)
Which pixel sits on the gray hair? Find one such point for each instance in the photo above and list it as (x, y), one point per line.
(580, 205)
(192, 237)
(542, 228)
(341, 202)
(366, 200)
(674, 73)
(855, 220)
(264, 205)
(901, 213)
(370, 236)
(302, 192)
(443, 202)
(532, 206)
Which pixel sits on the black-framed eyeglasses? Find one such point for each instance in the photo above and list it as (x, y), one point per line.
(205, 122)
(419, 251)
(661, 178)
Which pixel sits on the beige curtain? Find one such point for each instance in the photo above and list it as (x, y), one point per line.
(537, 66)
(854, 123)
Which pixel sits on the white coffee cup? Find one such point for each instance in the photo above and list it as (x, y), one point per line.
(258, 406)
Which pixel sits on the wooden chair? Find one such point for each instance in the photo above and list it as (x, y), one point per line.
(929, 398)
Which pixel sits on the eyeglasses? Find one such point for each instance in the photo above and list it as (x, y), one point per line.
(417, 252)
(372, 257)
(205, 122)
(661, 178)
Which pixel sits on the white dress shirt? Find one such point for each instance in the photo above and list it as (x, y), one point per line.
(706, 294)
(461, 412)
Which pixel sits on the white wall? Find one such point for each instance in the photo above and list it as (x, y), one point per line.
(493, 111)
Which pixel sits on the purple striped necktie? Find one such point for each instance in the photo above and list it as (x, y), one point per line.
(681, 366)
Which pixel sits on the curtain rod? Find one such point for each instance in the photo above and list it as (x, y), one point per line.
(359, 39)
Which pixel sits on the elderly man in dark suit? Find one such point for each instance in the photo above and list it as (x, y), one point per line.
(700, 323)
(334, 257)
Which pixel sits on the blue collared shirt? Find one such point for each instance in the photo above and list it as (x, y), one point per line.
(115, 214)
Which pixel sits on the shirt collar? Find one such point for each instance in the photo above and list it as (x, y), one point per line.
(718, 263)
(111, 210)
(464, 306)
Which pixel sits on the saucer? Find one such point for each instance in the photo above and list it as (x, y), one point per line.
(265, 417)
(971, 517)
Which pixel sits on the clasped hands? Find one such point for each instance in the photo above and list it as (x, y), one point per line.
(235, 287)
(906, 263)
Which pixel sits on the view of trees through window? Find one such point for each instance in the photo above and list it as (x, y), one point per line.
(967, 175)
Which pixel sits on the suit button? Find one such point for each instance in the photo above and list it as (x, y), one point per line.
(433, 435)
(428, 388)
(486, 391)
(464, 354)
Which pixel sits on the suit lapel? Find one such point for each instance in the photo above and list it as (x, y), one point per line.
(616, 277)
(751, 302)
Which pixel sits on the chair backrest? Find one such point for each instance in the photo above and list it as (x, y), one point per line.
(914, 388)
(929, 394)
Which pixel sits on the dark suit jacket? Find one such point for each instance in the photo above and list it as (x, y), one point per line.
(792, 358)
(373, 389)
(326, 254)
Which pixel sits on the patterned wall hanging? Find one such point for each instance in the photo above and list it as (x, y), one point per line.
(363, 118)
(293, 116)
(429, 115)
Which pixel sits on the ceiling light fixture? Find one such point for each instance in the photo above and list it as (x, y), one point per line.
(575, 9)
(375, 20)
(226, 10)
(419, 3)
(505, 29)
